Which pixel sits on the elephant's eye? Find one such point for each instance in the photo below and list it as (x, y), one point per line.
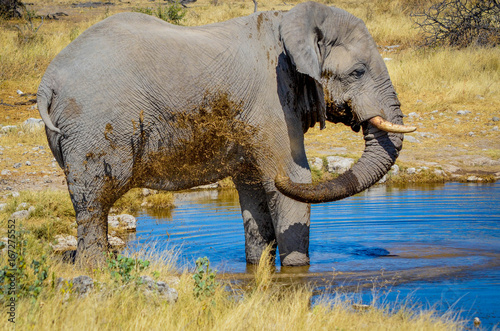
(358, 73)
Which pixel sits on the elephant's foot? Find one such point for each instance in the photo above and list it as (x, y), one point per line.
(295, 259)
(254, 253)
(92, 247)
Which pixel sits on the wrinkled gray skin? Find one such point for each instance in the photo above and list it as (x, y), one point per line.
(110, 99)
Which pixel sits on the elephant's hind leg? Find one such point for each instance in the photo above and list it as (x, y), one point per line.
(259, 230)
(91, 218)
(93, 191)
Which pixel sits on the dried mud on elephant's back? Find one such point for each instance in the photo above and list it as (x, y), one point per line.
(213, 137)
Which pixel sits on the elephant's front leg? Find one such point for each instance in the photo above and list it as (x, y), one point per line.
(259, 230)
(291, 221)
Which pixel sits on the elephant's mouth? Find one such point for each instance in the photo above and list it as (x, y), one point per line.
(342, 113)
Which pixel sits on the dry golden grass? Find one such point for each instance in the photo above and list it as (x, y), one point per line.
(263, 305)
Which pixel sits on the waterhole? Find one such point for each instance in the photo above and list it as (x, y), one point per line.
(437, 246)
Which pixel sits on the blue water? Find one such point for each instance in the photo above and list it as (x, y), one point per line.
(436, 245)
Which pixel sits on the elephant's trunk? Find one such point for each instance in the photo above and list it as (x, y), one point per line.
(381, 150)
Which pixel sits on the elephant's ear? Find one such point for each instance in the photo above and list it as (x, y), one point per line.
(300, 32)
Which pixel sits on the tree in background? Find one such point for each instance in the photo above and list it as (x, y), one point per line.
(10, 8)
(460, 23)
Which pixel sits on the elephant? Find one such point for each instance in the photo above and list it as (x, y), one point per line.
(137, 102)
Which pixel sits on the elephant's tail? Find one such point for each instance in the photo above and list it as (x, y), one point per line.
(54, 135)
(43, 101)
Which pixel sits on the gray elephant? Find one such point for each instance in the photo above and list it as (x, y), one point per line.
(137, 102)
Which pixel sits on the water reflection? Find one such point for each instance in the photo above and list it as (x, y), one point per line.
(444, 239)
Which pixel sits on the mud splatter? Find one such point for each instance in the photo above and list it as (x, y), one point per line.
(339, 113)
(212, 140)
(108, 131)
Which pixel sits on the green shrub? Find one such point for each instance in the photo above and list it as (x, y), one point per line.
(126, 269)
(173, 13)
(204, 279)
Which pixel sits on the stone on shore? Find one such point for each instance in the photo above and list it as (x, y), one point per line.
(339, 164)
(123, 221)
(161, 288)
(64, 243)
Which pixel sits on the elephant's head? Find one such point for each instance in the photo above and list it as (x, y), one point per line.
(336, 52)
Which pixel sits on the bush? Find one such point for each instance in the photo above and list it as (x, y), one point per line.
(460, 23)
(172, 13)
(10, 8)
(204, 279)
(126, 269)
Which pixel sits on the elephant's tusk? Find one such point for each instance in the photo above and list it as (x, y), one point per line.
(387, 126)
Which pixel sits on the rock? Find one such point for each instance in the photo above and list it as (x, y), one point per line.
(207, 187)
(394, 170)
(161, 288)
(471, 134)
(17, 165)
(3, 206)
(28, 163)
(495, 119)
(33, 124)
(15, 194)
(463, 112)
(338, 164)
(434, 111)
(412, 139)
(411, 171)
(383, 179)
(474, 179)
(146, 192)
(5, 172)
(124, 221)
(80, 285)
(23, 206)
(113, 222)
(20, 215)
(115, 242)
(413, 115)
(9, 128)
(64, 243)
(477, 322)
(316, 163)
(439, 172)
(495, 128)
